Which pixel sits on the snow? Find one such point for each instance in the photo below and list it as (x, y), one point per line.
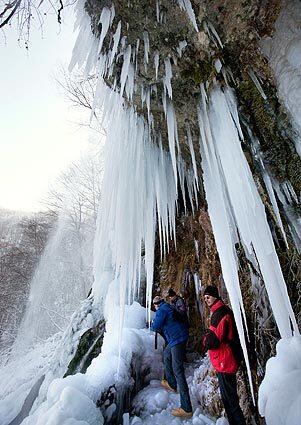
(153, 404)
(280, 391)
(19, 375)
(283, 51)
(74, 397)
(140, 193)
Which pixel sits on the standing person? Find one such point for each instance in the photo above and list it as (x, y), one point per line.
(176, 335)
(222, 341)
(178, 304)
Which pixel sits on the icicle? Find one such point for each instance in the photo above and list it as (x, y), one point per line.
(210, 28)
(257, 83)
(292, 215)
(197, 286)
(125, 68)
(186, 5)
(156, 62)
(171, 127)
(158, 10)
(148, 103)
(267, 180)
(146, 48)
(190, 144)
(196, 246)
(218, 65)
(164, 100)
(219, 211)
(129, 87)
(116, 38)
(181, 47)
(105, 21)
(168, 76)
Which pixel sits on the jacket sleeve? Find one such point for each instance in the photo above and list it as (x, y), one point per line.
(222, 333)
(158, 320)
(210, 341)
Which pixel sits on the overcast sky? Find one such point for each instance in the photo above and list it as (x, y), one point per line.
(39, 136)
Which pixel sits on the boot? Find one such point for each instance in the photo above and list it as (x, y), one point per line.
(166, 385)
(181, 413)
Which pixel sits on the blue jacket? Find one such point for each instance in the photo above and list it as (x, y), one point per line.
(174, 331)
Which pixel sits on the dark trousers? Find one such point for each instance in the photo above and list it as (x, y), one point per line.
(228, 389)
(174, 358)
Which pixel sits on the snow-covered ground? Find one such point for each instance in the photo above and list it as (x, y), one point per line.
(72, 400)
(153, 405)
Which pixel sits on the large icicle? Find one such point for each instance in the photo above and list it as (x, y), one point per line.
(168, 76)
(240, 195)
(186, 5)
(220, 215)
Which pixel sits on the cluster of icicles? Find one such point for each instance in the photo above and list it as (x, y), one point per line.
(140, 182)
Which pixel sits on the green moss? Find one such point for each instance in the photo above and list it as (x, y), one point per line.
(91, 340)
(273, 129)
(199, 71)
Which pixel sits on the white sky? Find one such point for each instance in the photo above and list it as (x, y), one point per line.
(39, 136)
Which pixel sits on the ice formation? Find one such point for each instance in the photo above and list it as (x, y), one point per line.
(235, 206)
(186, 5)
(280, 391)
(284, 53)
(140, 190)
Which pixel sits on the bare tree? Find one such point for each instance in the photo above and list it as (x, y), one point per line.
(80, 92)
(25, 12)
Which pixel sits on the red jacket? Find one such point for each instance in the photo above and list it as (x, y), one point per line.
(218, 339)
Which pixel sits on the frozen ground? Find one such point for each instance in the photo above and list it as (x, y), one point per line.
(153, 405)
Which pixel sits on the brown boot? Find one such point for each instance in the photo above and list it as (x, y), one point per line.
(166, 385)
(181, 413)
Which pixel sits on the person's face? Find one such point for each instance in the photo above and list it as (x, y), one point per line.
(156, 306)
(209, 300)
(172, 299)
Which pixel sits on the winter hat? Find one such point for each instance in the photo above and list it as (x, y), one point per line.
(171, 293)
(212, 291)
(157, 299)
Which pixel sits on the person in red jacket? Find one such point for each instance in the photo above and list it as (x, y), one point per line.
(221, 340)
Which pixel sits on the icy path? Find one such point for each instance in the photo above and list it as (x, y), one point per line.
(153, 404)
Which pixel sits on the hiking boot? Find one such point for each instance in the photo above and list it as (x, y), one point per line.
(181, 413)
(166, 385)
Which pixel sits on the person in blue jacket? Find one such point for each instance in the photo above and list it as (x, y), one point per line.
(175, 333)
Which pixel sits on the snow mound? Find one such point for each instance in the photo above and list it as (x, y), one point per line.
(280, 391)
